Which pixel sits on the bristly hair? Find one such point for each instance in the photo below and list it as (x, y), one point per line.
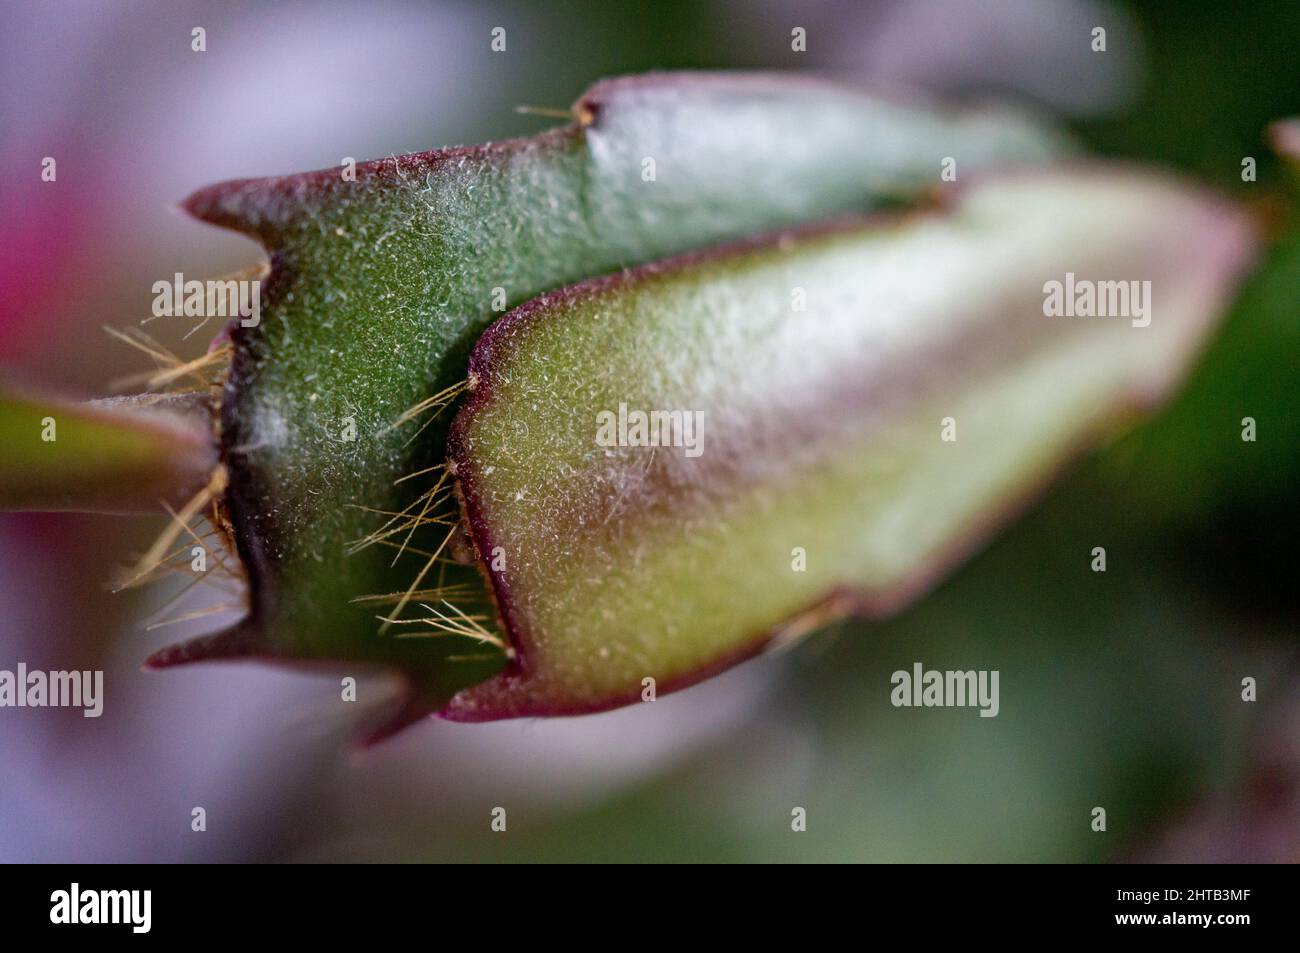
(462, 607)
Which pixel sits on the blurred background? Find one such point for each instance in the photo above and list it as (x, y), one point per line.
(1120, 690)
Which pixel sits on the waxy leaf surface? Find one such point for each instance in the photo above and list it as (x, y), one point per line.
(875, 398)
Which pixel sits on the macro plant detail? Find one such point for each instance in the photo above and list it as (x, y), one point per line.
(859, 329)
(860, 431)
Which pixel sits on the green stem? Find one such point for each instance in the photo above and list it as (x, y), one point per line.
(118, 455)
